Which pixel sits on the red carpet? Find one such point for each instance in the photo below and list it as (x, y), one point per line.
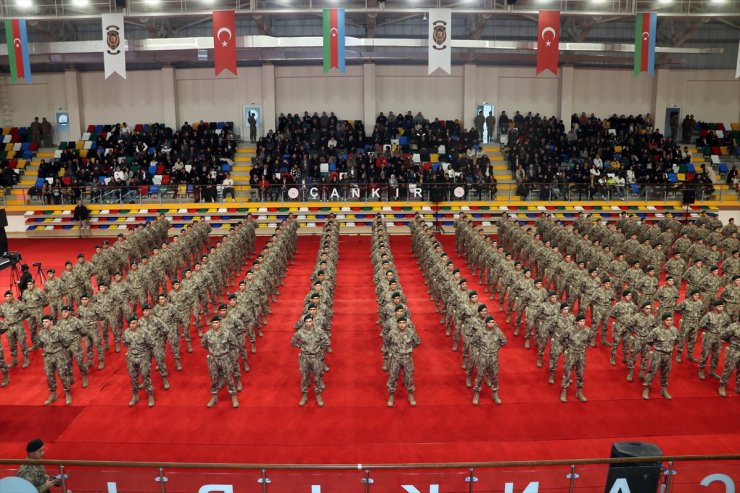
(355, 426)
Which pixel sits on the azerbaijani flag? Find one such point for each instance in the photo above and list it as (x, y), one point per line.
(645, 27)
(18, 58)
(333, 39)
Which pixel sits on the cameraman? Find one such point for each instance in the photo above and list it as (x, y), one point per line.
(36, 473)
(25, 277)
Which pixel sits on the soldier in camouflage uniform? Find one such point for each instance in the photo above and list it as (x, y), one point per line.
(732, 358)
(731, 297)
(709, 286)
(100, 263)
(74, 331)
(35, 301)
(532, 300)
(14, 312)
(139, 359)
(692, 309)
(122, 293)
(178, 297)
(90, 315)
(220, 345)
(622, 312)
(136, 279)
(647, 286)
(663, 339)
(108, 305)
(56, 360)
(488, 342)
(545, 317)
(694, 275)
(601, 303)
(54, 289)
(713, 324)
(562, 322)
(158, 331)
(575, 340)
(472, 327)
(639, 326)
(312, 342)
(617, 269)
(231, 323)
(401, 343)
(169, 315)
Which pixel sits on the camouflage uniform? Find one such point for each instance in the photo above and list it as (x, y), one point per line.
(575, 342)
(561, 324)
(14, 312)
(401, 345)
(312, 343)
(54, 289)
(74, 331)
(170, 316)
(692, 311)
(622, 312)
(35, 301)
(639, 326)
(714, 323)
(663, 339)
(220, 345)
(732, 356)
(488, 342)
(56, 360)
(139, 360)
(158, 331)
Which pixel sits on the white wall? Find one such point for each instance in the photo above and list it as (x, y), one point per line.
(42, 98)
(136, 99)
(604, 92)
(402, 89)
(709, 95)
(299, 89)
(511, 89)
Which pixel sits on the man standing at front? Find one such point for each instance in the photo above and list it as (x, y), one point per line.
(220, 345)
(488, 342)
(14, 312)
(56, 360)
(713, 324)
(663, 339)
(575, 340)
(36, 473)
(401, 344)
(139, 359)
(312, 342)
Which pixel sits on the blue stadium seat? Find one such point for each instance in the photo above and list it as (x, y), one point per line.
(672, 178)
(723, 169)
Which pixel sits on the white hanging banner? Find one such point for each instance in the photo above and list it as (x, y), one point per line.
(114, 45)
(440, 40)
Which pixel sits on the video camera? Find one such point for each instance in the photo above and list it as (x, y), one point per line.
(13, 257)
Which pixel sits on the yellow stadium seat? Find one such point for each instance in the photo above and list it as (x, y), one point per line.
(618, 149)
(681, 176)
(6, 130)
(10, 155)
(83, 152)
(735, 126)
(723, 151)
(434, 158)
(8, 147)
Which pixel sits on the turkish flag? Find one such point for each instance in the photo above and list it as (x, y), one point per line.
(224, 40)
(548, 41)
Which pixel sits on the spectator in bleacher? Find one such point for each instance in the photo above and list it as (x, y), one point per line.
(36, 130)
(228, 184)
(686, 129)
(46, 133)
(503, 123)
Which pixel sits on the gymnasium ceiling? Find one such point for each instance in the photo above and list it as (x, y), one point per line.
(692, 34)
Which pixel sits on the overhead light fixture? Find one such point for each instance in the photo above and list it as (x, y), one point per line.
(80, 3)
(151, 2)
(719, 2)
(24, 4)
(665, 1)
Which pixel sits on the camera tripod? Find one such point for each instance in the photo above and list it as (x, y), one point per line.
(15, 277)
(437, 225)
(39, 275)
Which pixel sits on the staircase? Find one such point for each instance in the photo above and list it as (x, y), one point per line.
(242, 166)
(501, 171)
(19, 194)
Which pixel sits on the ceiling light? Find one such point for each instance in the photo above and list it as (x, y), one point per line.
(665, 1)
(80, 3)
(719, 1)
(24, 4)
(151, 2)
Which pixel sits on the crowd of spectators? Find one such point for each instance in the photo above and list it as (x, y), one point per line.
(125, 159)
(326, 151)
(597, 157)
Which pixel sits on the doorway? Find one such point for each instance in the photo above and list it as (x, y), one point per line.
(257, 112)
(489, 134)
(672, 127)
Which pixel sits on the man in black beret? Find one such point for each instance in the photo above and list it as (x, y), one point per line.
(36, 473)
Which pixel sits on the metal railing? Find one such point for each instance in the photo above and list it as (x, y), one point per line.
(348, 192)
(667, 474)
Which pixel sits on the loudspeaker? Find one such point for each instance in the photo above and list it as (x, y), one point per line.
(642, 477)
(689, 197)
(3, 219)
(121, 4)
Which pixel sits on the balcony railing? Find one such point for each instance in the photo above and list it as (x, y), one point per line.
(667, 474)
(340, 192)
